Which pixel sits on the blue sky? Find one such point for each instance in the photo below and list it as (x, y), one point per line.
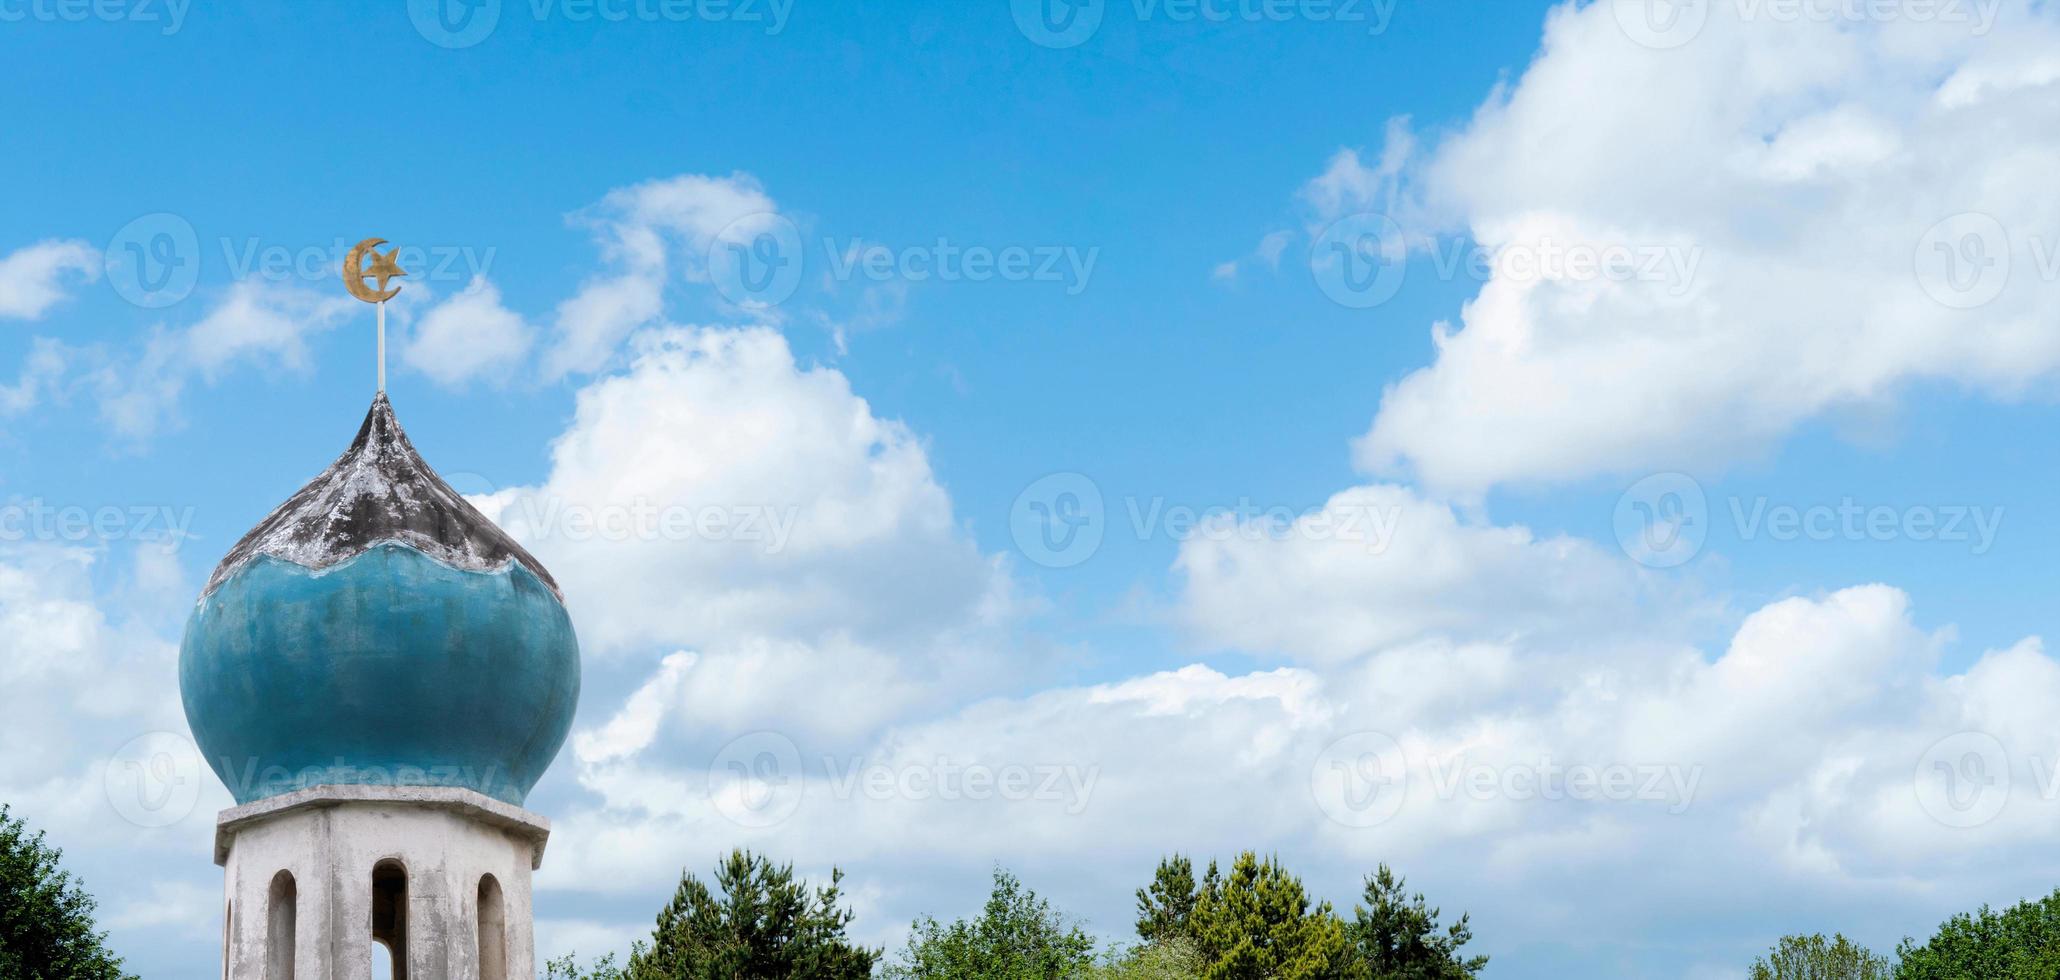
(572, 338)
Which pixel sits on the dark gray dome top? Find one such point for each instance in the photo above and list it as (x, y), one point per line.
(378, 491)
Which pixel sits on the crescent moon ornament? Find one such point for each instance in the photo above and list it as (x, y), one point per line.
(364, 263)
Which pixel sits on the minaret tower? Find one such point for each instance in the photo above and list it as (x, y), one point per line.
(379, 675)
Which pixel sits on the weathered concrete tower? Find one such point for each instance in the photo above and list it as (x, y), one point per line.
(379, 675)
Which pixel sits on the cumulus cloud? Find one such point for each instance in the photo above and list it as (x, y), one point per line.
(1807, 216)
(34, 279)
(1391, 567)
(718, 497)
(470, 335)
(645, 231)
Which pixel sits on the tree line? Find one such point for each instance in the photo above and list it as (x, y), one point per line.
(1253, 921)
(755, 920)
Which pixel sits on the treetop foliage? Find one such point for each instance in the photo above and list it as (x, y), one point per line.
(46, 919)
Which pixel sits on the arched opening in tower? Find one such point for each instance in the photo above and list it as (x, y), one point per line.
(390, 914)
(493, 931)
(280, 922)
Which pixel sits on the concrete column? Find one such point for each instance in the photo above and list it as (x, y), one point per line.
(442, 842)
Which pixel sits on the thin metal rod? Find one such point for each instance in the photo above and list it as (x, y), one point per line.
(382, 348)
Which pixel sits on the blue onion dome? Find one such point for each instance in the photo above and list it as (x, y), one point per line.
(376, 629)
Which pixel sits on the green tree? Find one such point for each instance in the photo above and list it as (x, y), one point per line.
(764, 925)
(2018, 943)
(1165, 908)
(1171, 958)
(1816, 958)
(1018, 936)
(46, 920)
(567, 968)
(1258, 923)
(1396, 935)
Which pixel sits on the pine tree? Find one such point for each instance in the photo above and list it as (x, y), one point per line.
(1258, 923)
(1164, 910)
(1396, 935)
(764, 925)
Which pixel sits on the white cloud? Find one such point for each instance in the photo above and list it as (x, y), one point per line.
(470, 335)
(1788, 180)
(1268, 252)
(255, 323)
(720, 498)
(42, 374)
(33, 279)
(264, 323)
(1390, 568)
(1793, 756)
(645, 231)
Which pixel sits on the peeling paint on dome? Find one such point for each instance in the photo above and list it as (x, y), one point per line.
(380, 490)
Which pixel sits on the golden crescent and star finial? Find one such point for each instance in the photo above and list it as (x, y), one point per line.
(363, 263)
